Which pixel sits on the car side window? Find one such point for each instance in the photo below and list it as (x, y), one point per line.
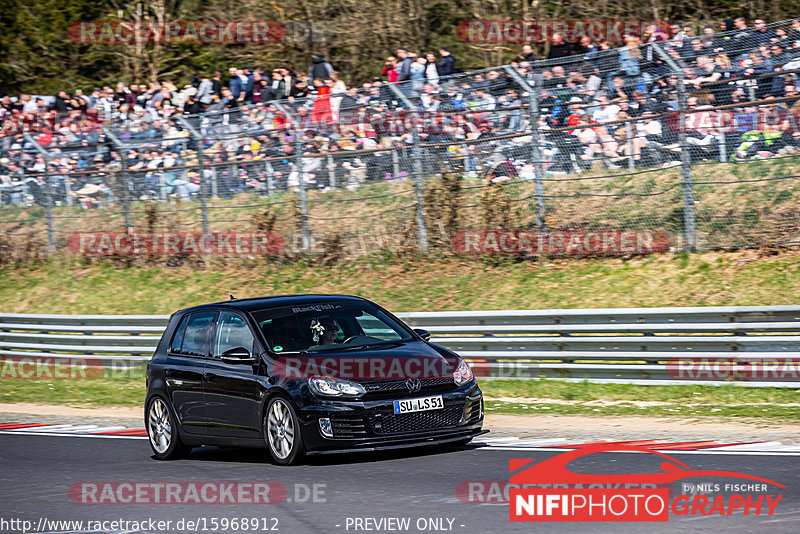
(374, 327)
(198, 330)
(177, 337)
(232, 332)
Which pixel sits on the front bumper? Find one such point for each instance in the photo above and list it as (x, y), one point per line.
(372, 425)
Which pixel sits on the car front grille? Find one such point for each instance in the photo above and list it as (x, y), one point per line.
(386, 421)
(400, 385)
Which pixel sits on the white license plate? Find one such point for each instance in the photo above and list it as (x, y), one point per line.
(418, 405)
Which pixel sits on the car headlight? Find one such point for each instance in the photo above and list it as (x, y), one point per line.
(462, 374)
(335, 387)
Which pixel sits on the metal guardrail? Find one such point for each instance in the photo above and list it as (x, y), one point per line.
(613, 345)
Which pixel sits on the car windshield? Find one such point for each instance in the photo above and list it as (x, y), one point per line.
(328, 326)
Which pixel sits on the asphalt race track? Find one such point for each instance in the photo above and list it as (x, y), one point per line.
(423, 486)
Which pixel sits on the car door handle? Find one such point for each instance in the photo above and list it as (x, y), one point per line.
(209, 376)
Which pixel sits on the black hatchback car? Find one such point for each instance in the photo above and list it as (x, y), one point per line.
(304, 374)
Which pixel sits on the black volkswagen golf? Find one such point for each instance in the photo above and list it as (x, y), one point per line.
(304, 374)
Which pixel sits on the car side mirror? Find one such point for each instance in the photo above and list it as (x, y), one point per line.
(424, 334)
(237, 355)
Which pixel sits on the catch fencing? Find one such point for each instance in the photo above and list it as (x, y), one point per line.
(756, 346)
(651, 137)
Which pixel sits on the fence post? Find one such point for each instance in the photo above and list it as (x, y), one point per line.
(301, 193)
(51, 238)
(419, 196)
(124, 185)
(198, 139)
(301, 183)
(270, 177)
(331, 172)
(67, 188)
(629, 141)
(536, 149)
(212, 171)
(395, 163)
(125, 176)
(419, 186)
(48, 184)
(689, 222)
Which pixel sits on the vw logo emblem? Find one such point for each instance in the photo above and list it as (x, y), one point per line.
(413, 384)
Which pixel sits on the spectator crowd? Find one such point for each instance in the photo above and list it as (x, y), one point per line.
(596, 105)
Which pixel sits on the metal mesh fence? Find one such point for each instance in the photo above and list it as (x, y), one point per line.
(694, 137)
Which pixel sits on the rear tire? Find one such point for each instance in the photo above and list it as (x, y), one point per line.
(282, 432)
(162, 431)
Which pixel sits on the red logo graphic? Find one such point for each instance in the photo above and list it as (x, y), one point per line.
(597, 503)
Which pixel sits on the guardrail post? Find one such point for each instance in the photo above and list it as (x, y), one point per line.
(689, 223)
(536, 149)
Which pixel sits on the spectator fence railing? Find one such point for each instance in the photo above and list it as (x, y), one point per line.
(713, 163)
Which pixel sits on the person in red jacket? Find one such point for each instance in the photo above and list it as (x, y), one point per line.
(389, 69)
(321, 109)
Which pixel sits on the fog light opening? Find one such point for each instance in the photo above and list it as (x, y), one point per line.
(325, 427)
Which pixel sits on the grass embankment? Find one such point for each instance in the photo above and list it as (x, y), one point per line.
(414, 284)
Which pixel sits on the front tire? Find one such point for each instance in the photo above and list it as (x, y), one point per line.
(282, 432)
(162, 431)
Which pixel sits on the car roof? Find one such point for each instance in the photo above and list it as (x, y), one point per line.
(259, 303)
